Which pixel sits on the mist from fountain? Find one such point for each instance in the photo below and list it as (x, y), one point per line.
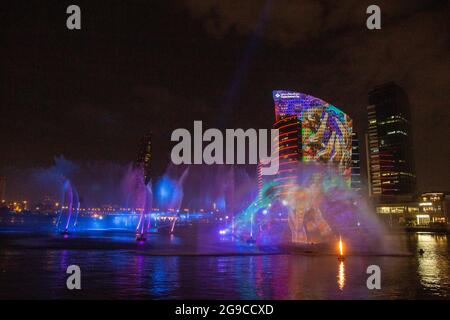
(144, 223)
(70, 203)
(319, 208)
(169, 190)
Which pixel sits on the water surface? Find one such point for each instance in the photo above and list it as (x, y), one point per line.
(34, 266)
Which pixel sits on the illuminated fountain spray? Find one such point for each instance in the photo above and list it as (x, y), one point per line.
(323, 208)
(70, 204)
(318, 208)
(306, 220)
(169, 195)
(144, 226)
(148, 204)
(138, 195)
(253, 222)
(174, 196)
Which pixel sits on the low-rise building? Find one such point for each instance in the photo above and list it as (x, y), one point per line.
(427, 209)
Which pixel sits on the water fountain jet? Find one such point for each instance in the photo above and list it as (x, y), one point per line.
(70, 196)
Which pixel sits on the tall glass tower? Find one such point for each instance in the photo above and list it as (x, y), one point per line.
(390, 162)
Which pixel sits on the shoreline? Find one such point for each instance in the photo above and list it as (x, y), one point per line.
(437, 230)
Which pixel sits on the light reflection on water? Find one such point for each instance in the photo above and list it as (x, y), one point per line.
(433, 266)
(133, 274)
(341, 276)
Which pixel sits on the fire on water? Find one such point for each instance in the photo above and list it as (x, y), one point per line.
(341, 249)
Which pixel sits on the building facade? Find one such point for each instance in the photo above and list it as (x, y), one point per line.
(426, 209)
(289, 146)
(390, 165)
(311, 129)
(356, 169)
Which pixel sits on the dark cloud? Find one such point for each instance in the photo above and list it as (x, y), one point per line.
(290, 22)
(341, 60)
(156, 66)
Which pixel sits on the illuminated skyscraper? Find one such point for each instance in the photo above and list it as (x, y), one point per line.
(145, 156)
(356, 170)
(310, 129)
(388, 141)
(289, 148)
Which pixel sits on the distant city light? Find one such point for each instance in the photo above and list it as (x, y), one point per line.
(425, 204)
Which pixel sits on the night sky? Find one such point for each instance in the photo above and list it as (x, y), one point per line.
(139, 66)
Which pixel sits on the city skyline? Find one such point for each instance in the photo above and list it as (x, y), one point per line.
(103, 111)
(225, 155)
(145, 158)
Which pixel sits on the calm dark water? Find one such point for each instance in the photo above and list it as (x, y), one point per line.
(34, 266)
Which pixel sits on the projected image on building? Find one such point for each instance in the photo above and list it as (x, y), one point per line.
(326, 131)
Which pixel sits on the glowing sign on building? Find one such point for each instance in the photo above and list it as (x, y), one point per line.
(326, 131)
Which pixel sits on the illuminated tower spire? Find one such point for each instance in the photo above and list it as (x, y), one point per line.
(145, 156)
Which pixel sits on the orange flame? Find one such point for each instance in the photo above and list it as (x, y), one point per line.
(341, 247)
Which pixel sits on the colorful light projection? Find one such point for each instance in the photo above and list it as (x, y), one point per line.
(320, 208)
(326, 132)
